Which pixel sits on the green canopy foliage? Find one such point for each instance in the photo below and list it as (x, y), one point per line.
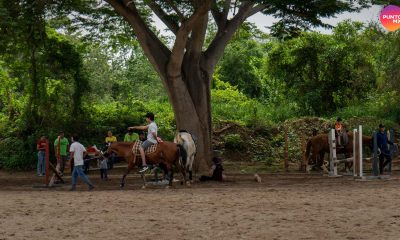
(77, 66)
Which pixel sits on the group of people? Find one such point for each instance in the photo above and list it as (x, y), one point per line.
(60, 149)
(382, 142)
(78, 152)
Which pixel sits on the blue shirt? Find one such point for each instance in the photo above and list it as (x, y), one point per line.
(382, 141)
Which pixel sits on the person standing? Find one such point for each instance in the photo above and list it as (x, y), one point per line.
(41, 164)
(130, 136)
(78, 152)
(110, 139)
(339, 131)
(60, 149)
(103, 169)
(383, 142)
(151, 138)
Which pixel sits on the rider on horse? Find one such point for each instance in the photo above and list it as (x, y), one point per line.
(151, 138)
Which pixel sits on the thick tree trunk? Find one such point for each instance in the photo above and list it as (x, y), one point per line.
(190, 99)
(186, 69)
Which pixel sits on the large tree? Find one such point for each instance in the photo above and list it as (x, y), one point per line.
(186, 68)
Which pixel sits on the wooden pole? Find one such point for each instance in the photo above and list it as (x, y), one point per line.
(286, 151)
(47, 155)
(391, 138)
(360, 149)
(375, 167)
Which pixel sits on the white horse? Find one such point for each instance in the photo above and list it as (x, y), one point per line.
(188, 142)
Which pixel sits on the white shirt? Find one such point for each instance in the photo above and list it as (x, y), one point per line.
(152, 128)
(78, 150)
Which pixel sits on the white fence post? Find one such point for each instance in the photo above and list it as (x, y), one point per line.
(333, 158)
(355, 166)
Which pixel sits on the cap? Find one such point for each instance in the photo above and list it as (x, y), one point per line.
(381, 125)
(339, 119)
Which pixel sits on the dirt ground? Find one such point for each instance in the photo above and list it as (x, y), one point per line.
(283, 206)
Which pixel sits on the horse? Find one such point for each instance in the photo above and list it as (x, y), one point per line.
(186, 139)
(166, 155)
(319, 145)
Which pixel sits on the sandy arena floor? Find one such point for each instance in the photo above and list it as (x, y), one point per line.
(287, 206)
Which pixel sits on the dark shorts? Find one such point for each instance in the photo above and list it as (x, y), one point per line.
(146, 144)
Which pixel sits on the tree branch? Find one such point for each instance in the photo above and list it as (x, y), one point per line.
(175, 8)
(154, 49)
(227, 6)
(217, 46)
(178, 50)
(172, 25)
(217, 15)
(256, 9)
(197, 39)
(221, 17)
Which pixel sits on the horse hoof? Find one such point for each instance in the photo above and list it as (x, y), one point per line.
(166, 187)
(143, 187)
(188, 184)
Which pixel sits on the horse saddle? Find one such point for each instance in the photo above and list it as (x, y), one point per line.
(151, 149)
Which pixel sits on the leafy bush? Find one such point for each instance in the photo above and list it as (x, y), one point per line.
(233, 142)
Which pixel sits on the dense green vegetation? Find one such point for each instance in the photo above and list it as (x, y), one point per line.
(53, 80)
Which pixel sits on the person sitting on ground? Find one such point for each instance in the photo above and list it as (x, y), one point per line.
(215, 173)
(131, 136)
(151, 138)
(383, 141)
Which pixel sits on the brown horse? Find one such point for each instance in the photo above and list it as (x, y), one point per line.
(166, 155)
(319, 145)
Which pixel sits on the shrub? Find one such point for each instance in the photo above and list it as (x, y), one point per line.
(233, 142)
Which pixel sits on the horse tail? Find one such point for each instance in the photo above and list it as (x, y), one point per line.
(308, 149)
(182, 155)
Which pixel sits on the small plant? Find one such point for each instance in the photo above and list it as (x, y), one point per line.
(234, 142)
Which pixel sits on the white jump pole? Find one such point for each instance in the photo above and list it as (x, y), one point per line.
(354, 153)
(332, 142)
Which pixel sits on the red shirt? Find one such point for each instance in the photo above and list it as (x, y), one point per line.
(41, 145)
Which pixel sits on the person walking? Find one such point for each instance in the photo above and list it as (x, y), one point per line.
(383, 142)
(78, 152)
